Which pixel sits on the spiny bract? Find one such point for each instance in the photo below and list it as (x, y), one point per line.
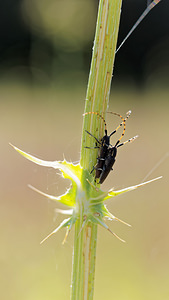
(83, 198)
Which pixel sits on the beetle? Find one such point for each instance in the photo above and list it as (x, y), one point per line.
(103, 147)
(107, 153)
(111, 158)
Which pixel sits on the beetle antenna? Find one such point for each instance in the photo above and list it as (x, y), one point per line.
(96, 113)
(128, 141)
(124, 122)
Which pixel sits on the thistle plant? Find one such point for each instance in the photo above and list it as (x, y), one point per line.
(84, 199)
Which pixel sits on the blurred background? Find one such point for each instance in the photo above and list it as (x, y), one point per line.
(45, 54)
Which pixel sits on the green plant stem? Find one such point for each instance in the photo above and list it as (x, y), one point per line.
(97, 98)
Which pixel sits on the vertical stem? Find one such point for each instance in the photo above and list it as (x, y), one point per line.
(96, 100)
(100, 76)
(90, 240)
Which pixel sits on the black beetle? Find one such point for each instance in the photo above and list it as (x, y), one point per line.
(107, 152)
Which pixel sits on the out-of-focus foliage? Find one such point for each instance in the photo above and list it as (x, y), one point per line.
(66, 23)
(45, 42)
